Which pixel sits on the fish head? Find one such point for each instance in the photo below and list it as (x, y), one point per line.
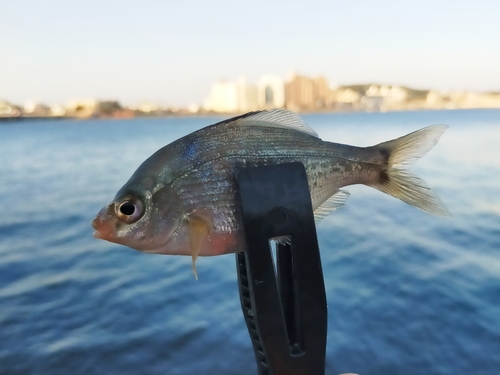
(144, 220)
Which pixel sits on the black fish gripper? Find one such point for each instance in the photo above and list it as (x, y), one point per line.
(284, 306)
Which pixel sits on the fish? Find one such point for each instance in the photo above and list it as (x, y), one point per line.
(182, 200)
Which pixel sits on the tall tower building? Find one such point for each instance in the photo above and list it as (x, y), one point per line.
(306, 94)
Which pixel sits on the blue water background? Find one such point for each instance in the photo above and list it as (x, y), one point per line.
(408, 293)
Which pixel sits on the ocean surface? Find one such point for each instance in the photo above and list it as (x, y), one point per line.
(408, 293)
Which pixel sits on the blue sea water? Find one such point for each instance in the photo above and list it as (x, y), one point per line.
(407, 293)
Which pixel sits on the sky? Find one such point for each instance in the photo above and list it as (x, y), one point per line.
(171, 52)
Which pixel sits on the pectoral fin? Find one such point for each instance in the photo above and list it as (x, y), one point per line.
(199, 227)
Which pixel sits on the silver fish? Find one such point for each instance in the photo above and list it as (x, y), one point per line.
(182, 199)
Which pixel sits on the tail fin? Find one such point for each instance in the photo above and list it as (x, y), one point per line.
(396, 180)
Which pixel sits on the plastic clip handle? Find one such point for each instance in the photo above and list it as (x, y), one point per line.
(284, 309)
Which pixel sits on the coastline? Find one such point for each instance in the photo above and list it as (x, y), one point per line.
(180, 114)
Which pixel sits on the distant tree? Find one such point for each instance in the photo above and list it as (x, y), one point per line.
(108, 107)
(417, 94)
(360, 89)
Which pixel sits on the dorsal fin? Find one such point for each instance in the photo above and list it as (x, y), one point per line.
(274, 118)
(336, 201)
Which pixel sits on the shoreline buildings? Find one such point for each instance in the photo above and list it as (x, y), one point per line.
(297, 93)
(300, 93)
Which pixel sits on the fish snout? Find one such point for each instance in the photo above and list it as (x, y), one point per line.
(103, 226)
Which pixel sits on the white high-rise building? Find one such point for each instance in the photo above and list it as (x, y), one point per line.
(271, 92)
(236, 96)
(247, 95)
(222, 97)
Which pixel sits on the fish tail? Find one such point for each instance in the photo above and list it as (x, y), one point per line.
(395, 179)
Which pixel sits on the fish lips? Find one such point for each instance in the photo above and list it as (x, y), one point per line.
(103, 228)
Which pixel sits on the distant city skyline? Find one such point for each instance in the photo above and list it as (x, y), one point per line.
(297, 93)
(172, 53)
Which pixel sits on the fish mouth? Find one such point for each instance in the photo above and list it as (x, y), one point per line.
(103, 228)
(96, 224)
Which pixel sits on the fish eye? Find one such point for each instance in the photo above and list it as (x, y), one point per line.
(129, 209)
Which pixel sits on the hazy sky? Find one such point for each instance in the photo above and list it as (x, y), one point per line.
(170, 52)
